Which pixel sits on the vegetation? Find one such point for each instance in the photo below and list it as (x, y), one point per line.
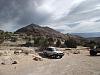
(41, 41)
(90, 44)
(58, 43)
(7, 36)
(1, 37)
(13, 39)
(50, 41)
(71, 43)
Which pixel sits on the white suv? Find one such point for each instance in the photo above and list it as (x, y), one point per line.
(53, 52)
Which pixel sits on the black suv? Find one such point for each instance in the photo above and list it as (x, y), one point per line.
(95, 50)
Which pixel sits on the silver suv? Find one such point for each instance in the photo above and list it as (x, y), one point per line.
(53, 52)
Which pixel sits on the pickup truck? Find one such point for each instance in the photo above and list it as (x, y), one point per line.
(53, 53)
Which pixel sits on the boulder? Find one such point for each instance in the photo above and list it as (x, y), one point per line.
(76, 52)
(37, 58)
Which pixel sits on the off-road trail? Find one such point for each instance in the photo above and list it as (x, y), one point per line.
(72, 64)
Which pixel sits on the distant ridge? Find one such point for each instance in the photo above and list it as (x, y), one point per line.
(96, 39)
(87, 35)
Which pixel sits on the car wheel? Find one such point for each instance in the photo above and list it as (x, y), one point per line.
(58, 56)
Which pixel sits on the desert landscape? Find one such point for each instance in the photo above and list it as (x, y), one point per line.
(70, 64)
(49, 37)
(21, 53)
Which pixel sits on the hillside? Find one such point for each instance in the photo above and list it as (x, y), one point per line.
(78, 39)
(36, 30)
(96, 39)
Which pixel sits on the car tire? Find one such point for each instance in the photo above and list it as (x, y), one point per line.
(58, 56)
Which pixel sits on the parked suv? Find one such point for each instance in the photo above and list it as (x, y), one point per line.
(94, 51)
(53, 52)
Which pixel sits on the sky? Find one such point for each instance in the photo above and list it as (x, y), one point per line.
(66, 16)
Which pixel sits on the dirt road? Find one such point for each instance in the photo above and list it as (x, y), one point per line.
(72, 64)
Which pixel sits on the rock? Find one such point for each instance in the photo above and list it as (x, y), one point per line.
(3, 63)
(76, 52)
(15, 62)
(37, 58)
(17, 51)
(26, 52)
(8, 61)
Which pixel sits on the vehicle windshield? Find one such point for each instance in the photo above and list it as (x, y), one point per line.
(51, 49)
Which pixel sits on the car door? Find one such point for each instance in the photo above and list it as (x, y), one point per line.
(49, 51)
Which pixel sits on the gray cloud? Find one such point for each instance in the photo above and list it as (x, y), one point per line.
(86, 10)
(18, 12)
(83, 15)
(97, 20)
(62, 15)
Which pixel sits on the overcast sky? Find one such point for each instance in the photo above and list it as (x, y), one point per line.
(63, 15)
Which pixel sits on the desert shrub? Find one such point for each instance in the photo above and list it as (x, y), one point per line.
(28, 44)
(50, 41)
(44, 43)
(26, 52)
(90, 44)
(41, 41)
(1, 37)
(13, 39)
(5, 36)
(1, 41)
(58, 43)
(8, 35)
(71, 43)
(36, 41)
(98, 45)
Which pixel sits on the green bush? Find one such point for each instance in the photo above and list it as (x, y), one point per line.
(50, 41)
(13, 39)
(58, 43)
(43, 41)
(90, 44)
(1, 37)
(71, 43)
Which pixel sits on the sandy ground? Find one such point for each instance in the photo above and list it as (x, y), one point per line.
(72, 64)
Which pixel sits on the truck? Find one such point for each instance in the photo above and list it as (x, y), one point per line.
(53, 53)
(95, 50)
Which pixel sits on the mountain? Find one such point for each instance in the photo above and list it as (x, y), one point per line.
(36, 30)
(87, 35)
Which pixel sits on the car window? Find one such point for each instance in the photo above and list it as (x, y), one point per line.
(50, 49)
